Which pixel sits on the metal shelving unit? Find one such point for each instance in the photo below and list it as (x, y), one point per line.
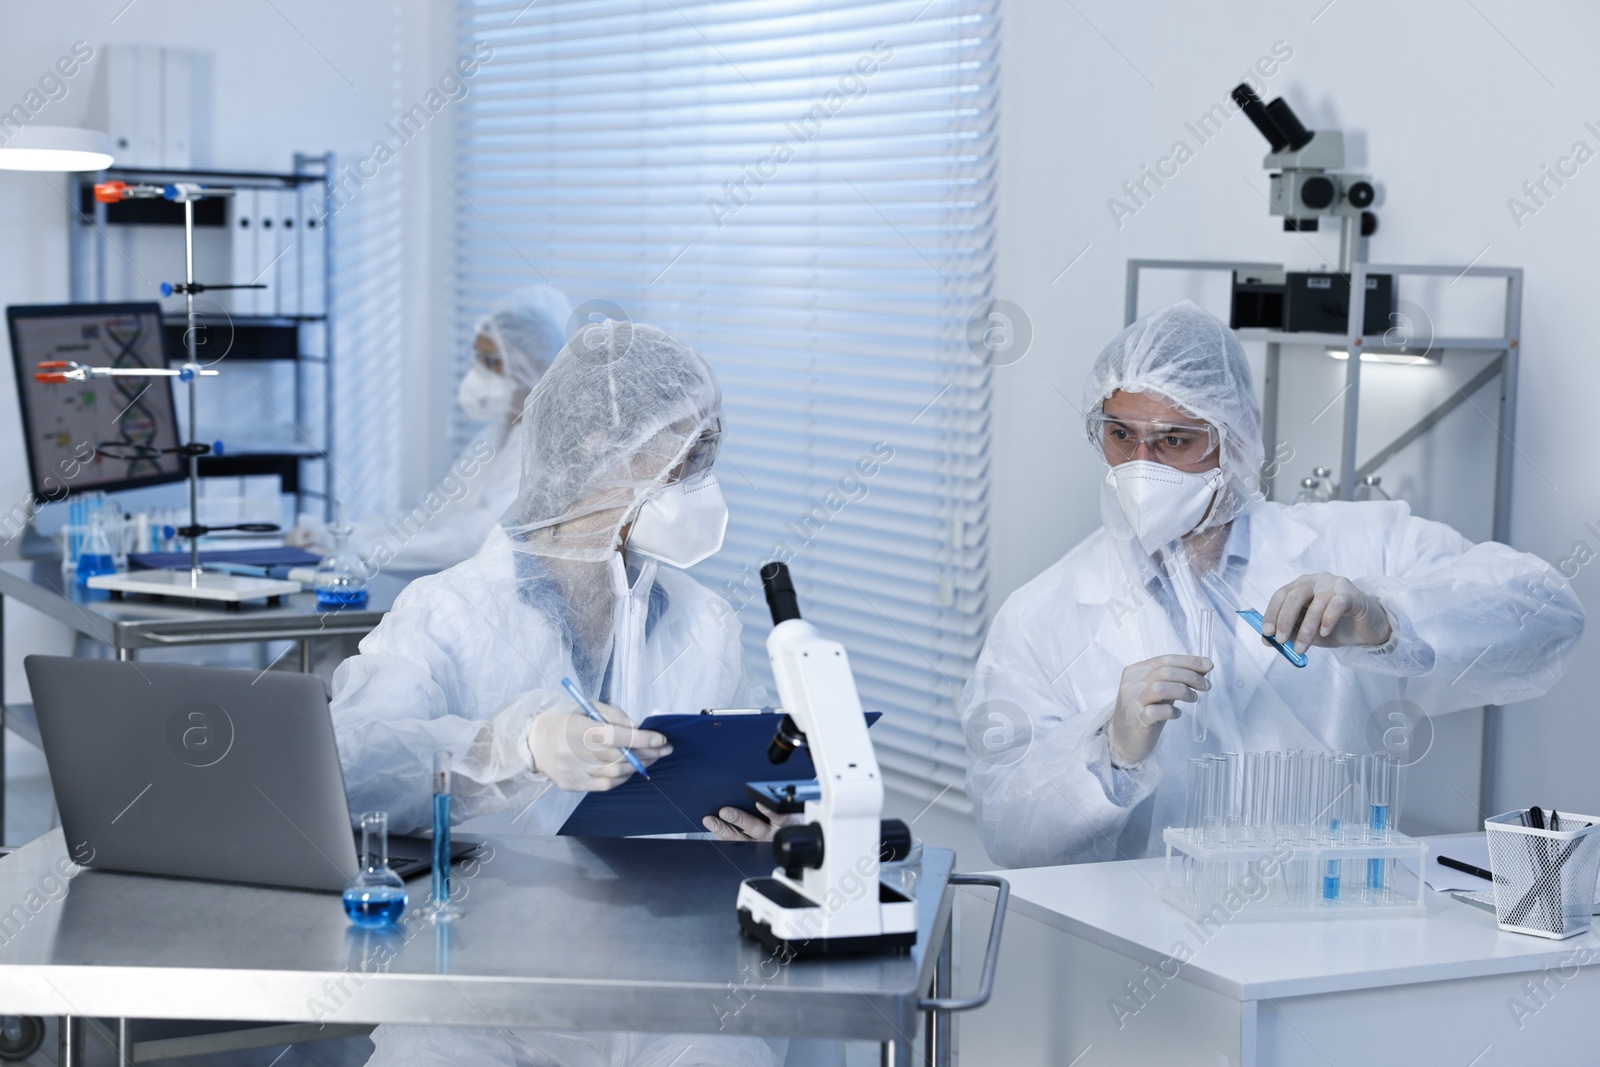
(1503, 367)
(305, 469)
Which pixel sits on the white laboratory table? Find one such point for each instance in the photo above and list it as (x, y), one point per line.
(1092, 974)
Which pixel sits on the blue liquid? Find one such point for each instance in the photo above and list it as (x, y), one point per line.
(375, 905)
(1378, 824)
(333, 600)
(91, 565)
(1253, 617)
(1330, 877)
(441, 848)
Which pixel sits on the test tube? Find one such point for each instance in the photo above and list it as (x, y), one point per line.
(1197, 722)
(1227, 795)
(1379, 768)
(1280, 794)
(1193, 815)
(1341, 790)
(440, 908)
(1250, 789)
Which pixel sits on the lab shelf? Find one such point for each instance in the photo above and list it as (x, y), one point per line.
(303, 341)
(1506, 345)
(1339, 340)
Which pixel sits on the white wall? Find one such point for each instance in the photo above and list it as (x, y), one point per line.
(291, 75)
(1455, 110)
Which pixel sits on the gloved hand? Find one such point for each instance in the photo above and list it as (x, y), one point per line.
(1145, 702)
(736, 825)
(1326, 610)
(582, 756)
(303, 535)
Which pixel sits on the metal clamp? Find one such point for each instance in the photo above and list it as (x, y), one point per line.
(991, 955)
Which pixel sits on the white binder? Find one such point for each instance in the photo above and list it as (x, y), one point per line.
(243, 227)
(269, 249)
(313, 249)
(286, 220)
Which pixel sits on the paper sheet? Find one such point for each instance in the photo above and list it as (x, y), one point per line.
(1468, 848)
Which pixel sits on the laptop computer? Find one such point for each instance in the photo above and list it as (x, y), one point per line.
(202, 772)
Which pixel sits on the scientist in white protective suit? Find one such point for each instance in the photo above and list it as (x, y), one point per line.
(616, 482)
(513, 345)
(1086, 667)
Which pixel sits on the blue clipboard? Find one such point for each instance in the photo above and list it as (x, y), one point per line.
(713, 756)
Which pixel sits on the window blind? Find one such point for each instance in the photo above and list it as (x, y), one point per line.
(803, 191)
(369, 322)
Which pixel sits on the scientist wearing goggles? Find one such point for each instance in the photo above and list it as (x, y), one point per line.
(1087, 666)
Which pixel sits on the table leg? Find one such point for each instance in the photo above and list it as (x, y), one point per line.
(124, 654)
(2, 721)
(895, 1054)
(305, 655)
(124, 1043)
(73, 1051)
(936, 1044)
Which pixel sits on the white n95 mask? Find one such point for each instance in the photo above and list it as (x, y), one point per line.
(484, 396)
(681, 523)
(1162, 503)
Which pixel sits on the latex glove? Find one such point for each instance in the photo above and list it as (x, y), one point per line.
(582, 756)
(736, 825)
(1326, 610)
(1146, 700)
(302, 535)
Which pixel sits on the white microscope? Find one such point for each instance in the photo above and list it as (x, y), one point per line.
(825, 896)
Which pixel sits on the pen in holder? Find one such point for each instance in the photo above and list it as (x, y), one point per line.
(1544, 878)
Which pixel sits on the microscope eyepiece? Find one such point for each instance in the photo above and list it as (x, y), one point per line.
(1276, 121)
(779, 588)
(1256, 112)
(1288, 124)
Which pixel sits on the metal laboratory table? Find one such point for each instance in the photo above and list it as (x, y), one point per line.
(558, 933)
(145, 622)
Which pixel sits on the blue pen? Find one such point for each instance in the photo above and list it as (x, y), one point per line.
(594, 713)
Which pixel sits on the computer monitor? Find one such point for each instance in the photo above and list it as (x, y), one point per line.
(69, 427)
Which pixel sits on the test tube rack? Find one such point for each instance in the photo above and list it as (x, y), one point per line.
(1295, 834)
(1286, 879)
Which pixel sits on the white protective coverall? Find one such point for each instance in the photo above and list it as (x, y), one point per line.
(1473, 624)
(467, 658)
(526, 329)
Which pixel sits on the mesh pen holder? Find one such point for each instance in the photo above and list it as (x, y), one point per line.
(1544, 880)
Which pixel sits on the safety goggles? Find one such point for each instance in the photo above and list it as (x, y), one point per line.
(1177, 444)
(702, 454)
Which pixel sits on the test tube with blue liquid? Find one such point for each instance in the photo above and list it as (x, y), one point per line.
(1379, 787)
(1341, 787)
(440, 908)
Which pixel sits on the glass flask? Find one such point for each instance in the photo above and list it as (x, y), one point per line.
(339, 580)
(375, 896)
(95, 556)
(1308, 492)
(1371, 488)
